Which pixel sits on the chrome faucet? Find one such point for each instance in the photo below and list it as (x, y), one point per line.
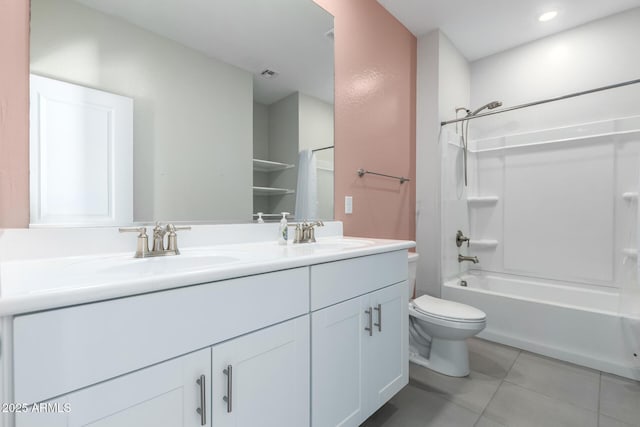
(158, 248)
(305, 231)
(473, 259)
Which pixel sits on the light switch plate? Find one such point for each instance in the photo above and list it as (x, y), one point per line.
(348, 204)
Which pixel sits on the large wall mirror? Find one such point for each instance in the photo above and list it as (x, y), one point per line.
(230, 98)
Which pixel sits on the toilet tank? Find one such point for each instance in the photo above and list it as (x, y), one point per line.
(413, 265)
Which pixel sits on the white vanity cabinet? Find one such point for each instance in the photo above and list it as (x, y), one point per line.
(337, 359)
(170, 394)
(259, 379)
(117, 362)
(262, 379)
(359, 343)
(319, 345)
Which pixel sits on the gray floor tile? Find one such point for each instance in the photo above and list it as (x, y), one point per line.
(620, 399)
(472, 392)
(414, 407)
(491, 358)
(486, 422)
(516, 406)
(612, 422)
(560, 380)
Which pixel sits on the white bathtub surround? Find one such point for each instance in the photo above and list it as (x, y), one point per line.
(566, 321)
(561, 213)
(564, 215)
(228, 315)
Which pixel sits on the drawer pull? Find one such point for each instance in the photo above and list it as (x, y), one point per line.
(229, 373)
(379, 324)
(369, 312)
(202, 410)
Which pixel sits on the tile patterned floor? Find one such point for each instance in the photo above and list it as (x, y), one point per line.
(510, 387)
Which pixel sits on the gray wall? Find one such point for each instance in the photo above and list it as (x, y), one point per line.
(283, 147)
(261, 151)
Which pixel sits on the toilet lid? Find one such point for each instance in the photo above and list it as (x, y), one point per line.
(447, 309)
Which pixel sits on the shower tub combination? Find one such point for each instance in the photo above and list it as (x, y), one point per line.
(575, 324)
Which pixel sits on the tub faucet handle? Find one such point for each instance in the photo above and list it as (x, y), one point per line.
(461, 238)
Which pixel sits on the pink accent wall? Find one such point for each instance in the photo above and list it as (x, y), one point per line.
(14, 113)
(374, 108)
(375, 119)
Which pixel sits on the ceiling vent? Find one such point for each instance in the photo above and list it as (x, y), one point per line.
(269, 74)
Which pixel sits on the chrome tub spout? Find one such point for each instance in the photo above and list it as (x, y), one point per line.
(473, 259)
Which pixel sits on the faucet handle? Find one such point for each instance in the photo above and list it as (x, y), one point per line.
(143, 240)
(173, 228)
(141, 230)
(172, 239)
(460, 238)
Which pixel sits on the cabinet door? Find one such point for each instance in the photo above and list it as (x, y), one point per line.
(387, 361)
(337, 390)
(164, 395)
(262, 379)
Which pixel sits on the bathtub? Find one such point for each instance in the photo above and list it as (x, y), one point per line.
(576, 324)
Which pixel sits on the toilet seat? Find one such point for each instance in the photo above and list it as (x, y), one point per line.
(447, 310)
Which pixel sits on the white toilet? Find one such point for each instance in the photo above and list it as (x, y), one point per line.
(438, 329)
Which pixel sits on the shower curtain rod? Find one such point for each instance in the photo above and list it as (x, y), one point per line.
(544, 101)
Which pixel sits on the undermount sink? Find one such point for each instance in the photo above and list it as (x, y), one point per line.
(83, 272)
(335, 244)
(60, 274)
(166, 264)
(125, 265)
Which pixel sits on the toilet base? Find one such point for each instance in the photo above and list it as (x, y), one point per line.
(448, 357)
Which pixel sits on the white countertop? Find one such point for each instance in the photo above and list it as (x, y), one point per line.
(42, 283)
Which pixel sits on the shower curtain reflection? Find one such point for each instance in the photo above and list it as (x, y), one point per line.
(307, 188)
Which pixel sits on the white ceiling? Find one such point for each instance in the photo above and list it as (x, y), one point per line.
(287, 36)
(479, 28)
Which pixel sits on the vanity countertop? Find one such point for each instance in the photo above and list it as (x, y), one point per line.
(45, 283)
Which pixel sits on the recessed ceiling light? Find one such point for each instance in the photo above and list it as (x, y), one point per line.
(548, 16)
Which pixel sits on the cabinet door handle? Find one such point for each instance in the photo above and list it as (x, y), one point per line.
(379, 324)
(370, 323)
(202, 410)
(229, 373)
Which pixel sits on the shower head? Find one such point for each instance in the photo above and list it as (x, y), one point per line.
(490, 106)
